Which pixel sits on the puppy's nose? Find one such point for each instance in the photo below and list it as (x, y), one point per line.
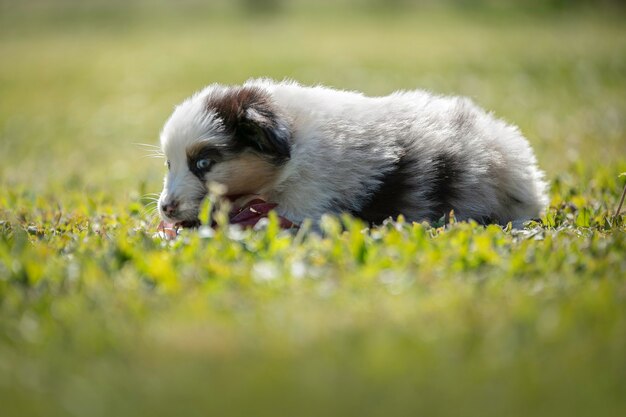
(169, 208)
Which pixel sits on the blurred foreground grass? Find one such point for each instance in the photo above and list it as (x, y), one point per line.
(99, 318)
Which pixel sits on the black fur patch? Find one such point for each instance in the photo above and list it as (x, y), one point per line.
(389, 199)
(445, 173)
(249, 116)
(438, 183)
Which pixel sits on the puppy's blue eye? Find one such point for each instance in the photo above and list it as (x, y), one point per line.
(203, 164)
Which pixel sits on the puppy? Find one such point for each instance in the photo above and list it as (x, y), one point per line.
(316, 150)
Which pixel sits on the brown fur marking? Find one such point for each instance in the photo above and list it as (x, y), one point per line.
(247, 174)
(231, 106)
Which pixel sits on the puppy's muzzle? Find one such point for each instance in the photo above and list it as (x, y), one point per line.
(170, 209)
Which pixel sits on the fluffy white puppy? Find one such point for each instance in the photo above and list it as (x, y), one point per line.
(316, 150)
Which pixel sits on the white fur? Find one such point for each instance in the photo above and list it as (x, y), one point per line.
(343, 143)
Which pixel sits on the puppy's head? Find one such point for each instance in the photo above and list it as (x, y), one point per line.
(229, 135)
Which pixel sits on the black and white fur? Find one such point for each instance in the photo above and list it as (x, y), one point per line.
(316, 150)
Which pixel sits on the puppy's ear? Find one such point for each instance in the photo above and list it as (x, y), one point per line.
(262, 130)
(249, 115)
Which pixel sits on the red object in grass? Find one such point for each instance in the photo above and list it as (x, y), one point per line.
(167, 231)
(255, 210)
(246, 216)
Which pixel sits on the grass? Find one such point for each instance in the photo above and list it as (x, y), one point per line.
(99, 318)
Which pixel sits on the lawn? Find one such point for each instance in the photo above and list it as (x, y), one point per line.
(100, 317)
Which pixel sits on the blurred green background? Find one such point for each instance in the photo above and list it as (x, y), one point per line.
(99, 319)
(81, 81)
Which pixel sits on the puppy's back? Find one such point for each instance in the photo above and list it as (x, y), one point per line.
(409, 153)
